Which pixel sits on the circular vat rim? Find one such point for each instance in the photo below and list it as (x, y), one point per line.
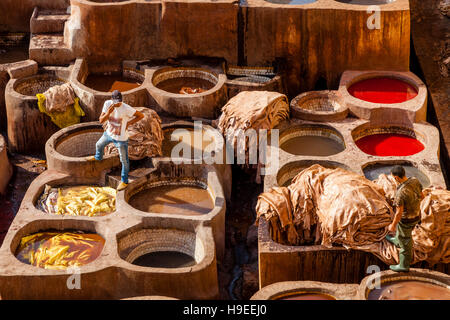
(402, 162)
(181, 124)
(382, 128)
(424, 275)
(312, 115)
(351, 77)
(205, 259)
(281, 289)
(368, 4)
(292, 165)
(135, 188)
(65, 133)
(13, 83)
(64, 182)
(56, 225)
(335, 133)
(220, 82)
(75, 80)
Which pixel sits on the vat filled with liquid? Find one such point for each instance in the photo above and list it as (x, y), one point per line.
(185, 85)
(177, 140)
(312, 141)
(410, 290)
(59, 250)
(181, 198)
(383, 90)
(372, 172)
(389, 144)
(111, 82)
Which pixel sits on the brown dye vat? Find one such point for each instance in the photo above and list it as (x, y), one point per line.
(185, 143)
(165, 259)
(173, 199)
(59, 250)
(37, 84)
(312, 146)
(410, 290)
(176, 85)
(109, 83)
(306, 296)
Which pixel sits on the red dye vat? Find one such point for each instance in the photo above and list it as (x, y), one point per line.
(383, 90)
(388, 144)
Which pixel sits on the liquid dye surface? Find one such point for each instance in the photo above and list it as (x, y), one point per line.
(109, 83)
(180, 85)
(291, 2)
(410, 290)
(165, 259)
(372, 172)
(383, 90)
(173, 199)
(184, 140)
(59, 250)
(308, 296)
(389, 144)
(312, 146)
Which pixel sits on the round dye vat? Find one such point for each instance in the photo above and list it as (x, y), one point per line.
(312, 146)
(165, 259)
(372, 172)
(59, 250)
(307, 296)
(383, 90)
(33, 85)
(173, 199)
(185, 85)
(186, 139)
(389, 144)
(291, 2)
(80, 143)
(109, 83)
(410, 290)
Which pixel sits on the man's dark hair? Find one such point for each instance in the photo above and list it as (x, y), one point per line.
(116, 95)
(398, 171)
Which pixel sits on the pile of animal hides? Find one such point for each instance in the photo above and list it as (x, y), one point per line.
(78, 201)
(338, 207)
(256, 110)
(145, 137)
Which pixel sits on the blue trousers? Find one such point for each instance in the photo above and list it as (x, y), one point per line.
(122, 146)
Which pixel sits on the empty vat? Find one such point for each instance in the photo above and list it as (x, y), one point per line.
(417, 284)
(319, 106)
(373, 170)
(67, 150)
(311, 140)
(366, 2)
(253, 79)
(188, 92)
(28, 128)
(161, 248)
(291, 2)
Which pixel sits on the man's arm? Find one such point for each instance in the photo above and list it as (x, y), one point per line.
(137, 116)
(397, 217)
(105, 115)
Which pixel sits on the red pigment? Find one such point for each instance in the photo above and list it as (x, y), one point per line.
(383, 90)
(388, 144)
